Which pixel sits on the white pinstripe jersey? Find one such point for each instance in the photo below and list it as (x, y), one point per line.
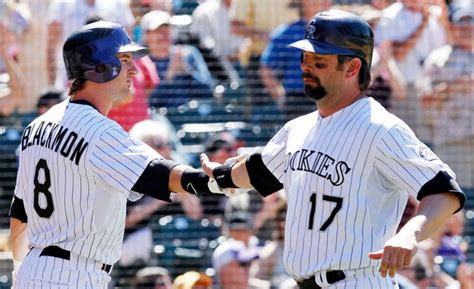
(77, 168)
(347, 178)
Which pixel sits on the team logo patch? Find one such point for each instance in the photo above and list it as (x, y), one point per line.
(311, 30)
(427, 154)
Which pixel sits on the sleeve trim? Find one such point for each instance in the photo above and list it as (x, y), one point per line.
(17, 210)
(260, 177)
(442, 183)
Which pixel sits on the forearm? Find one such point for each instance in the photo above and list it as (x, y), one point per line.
(191, 205)
(143, 211)
(273, 85)
(402, 48)
(240, 175)
(433, 212)
(240, 29)
(397, 82)
(16, 79)
(54, 32)
(18, 239)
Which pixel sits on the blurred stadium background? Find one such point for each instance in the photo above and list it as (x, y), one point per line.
(221, 92)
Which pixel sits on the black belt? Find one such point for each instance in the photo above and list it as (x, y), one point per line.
(331, 276)
(54, 251)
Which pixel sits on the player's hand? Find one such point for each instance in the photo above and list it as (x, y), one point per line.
(396, 254)
(209, 166)
(214, 188)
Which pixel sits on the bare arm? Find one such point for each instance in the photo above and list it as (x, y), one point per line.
(402, 48)
(18, 239)
(433, 212)
(191, 205)
(387, 64)
(142, 211)
(9, 102)
(239, 28)
(273, 85)
(54, 34)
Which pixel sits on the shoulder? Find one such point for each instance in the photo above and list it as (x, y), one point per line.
(92, 117)
(302, 121)
(380, 118)
(288, 30)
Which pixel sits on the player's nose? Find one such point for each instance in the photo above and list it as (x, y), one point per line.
(133, 68)
(305, 67)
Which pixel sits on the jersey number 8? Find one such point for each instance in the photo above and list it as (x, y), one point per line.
(43, 188)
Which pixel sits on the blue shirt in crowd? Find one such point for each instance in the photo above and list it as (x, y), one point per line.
(283, 60)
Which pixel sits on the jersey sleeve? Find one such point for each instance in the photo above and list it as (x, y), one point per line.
(118, 160)
(273, 155)
(406, 162)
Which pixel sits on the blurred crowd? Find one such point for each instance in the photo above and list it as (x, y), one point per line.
(218, 77)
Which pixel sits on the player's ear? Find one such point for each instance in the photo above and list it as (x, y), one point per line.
(353, 67)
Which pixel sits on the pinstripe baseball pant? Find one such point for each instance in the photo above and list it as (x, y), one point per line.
(47, 272)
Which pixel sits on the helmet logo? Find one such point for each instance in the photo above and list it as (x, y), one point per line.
(311, 30)
(115, 71)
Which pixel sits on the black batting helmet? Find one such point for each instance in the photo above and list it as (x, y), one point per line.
(338, 32)
(91, 51)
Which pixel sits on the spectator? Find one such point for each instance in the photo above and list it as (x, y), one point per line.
(269, 266)
(29, 26)
(11, 77)
(152, 278)
(414, 28)
(233, 257)
(388, 83)
(64, 17)
(211, 24)
(447, 89)
(48, 99)
(192, 280)
(248, 21)
(451, 250)
(280, 66)
(181, 68)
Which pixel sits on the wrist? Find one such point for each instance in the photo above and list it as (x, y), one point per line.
(195, 181)
(223, 176)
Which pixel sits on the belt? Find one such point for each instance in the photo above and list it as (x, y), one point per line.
(331, 277)
(54, 251)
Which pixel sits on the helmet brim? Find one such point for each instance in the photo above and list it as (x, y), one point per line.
(320, 48)
(136, 50)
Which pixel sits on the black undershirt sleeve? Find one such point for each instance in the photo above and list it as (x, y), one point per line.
(17, 210)
(154, 180)
(442, 183)
(260, 177)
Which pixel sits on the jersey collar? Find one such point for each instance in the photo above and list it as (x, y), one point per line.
(84, 102)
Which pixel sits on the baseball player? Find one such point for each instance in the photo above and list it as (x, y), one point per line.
(78, 168)
(347, 169)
